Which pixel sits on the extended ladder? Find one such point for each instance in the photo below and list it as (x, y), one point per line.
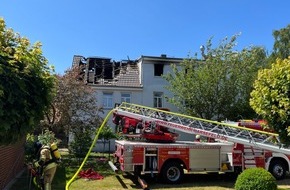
(213, 129)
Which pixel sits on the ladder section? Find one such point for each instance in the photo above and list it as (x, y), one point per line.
(213, 129)
(253, 157)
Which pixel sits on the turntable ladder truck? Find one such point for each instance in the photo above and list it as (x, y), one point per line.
(236, 147)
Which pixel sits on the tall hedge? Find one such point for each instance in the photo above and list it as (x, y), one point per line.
(26, 85)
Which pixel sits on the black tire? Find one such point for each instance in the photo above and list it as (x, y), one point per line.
(172, 173)
(277, 169)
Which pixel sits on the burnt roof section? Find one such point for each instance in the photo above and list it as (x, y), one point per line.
(104, 72)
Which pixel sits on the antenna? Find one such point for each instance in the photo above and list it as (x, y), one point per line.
(202, 48)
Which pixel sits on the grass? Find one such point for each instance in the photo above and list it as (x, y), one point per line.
(114, 181)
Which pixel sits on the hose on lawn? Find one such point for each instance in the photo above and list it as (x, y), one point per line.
(89, 152)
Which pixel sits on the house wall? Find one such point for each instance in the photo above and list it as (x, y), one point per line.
(136, 97)
(153, 84)
(11, 162)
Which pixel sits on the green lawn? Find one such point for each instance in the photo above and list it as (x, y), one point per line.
(114, 181)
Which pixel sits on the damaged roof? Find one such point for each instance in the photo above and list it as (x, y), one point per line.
(102, 71)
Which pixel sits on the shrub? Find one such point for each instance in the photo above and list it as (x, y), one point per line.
(255, 179)
(30, 153)
(82, 141)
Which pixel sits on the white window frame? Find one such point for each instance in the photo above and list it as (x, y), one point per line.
(158, 99)
(107, 100)
(126, 97)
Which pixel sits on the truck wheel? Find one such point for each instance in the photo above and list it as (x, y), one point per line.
(172, 173)
(277, 169)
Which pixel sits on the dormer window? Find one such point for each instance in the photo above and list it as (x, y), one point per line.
(158, 69)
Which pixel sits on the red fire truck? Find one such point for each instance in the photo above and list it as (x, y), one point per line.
(235, 149)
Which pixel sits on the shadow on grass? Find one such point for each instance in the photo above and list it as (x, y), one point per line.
(25, 182)
(121, 182)
(191, 181)
(70, 165)
(64, 172)
(59, 181)
(202, 181)
(206, 181)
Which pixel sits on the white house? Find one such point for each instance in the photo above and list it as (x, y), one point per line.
(139, 81)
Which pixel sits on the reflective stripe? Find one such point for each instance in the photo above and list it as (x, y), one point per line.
(49, 166)
(36, 164)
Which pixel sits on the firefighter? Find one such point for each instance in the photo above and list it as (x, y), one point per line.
(197, 138)
(210, 139)
(47, 164)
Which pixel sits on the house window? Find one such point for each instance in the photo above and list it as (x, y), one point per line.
(108, 100)
(158, 69)
(158, 99)
(125, 97)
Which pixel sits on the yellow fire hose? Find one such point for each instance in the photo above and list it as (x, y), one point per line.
(35, 183)
(92, 146)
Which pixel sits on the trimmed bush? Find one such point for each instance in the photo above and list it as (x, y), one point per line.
(256, 179)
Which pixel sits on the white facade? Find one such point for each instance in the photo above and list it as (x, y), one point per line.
(150, 86)
(154, 84)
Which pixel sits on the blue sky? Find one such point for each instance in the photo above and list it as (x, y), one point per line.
(131, 28)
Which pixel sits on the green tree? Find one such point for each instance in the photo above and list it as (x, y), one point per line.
(26, 85)
(271, 97)
(281, 47)
(219, 86)
(74, 106)
(75, 111)
(106, 134)
(82, 139)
